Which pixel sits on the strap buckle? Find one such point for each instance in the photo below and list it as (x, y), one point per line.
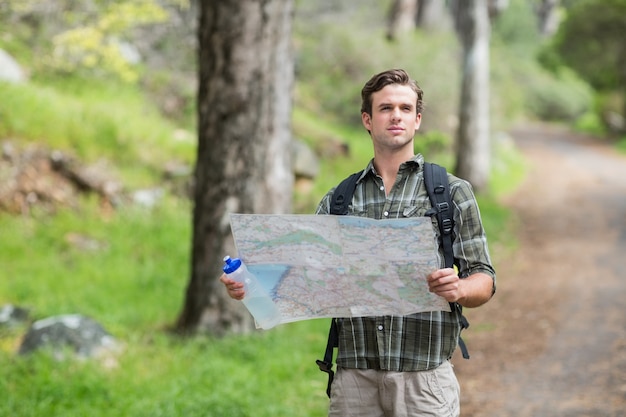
(324, 366)
(327, 367)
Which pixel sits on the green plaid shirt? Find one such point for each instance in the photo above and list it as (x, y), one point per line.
(419, 341)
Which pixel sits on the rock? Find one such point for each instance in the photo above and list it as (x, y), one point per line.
(78, 333)
(305, 162)
(614, 121)
(179, 177)
(11, 315)
(49, 179)
(85, 243)
(148, 198)
(10, 70)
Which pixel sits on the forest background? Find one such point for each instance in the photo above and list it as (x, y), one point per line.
(123, 107)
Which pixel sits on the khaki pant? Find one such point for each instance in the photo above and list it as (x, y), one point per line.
(372, 393)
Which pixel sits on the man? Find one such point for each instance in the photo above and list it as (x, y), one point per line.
(399, 366)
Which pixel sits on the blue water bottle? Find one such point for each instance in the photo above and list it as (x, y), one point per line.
(256, 299)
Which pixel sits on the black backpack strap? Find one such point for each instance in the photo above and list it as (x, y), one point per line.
(342, 196)
(327, 364)
(436, 182)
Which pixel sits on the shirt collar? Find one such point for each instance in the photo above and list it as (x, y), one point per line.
(417, 161)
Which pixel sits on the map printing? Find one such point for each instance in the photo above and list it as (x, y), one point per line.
(340, 266)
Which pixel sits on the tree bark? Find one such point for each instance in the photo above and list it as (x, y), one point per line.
(548, 17)
(473, 144)
(401, 18)
(433, 15)
(246, 72)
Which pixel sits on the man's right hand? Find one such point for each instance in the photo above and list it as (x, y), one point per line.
(235, 289)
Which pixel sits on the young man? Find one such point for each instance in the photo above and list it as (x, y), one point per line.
(399, 366)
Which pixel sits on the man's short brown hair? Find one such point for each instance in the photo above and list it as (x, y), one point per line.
(385, 78)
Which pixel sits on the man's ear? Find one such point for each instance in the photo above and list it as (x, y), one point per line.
(367, 121)
(418, 121)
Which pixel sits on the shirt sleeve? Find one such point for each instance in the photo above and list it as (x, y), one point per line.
(470, 244)
(324, 206)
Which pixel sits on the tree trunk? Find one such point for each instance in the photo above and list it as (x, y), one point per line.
(246, 73)
(433, 15)
(473, 145)
(548, 17)
(401, 18)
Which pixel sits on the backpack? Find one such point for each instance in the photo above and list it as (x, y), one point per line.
(436, 181)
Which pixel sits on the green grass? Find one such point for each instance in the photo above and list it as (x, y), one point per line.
(266, 374)
(93, 120)
(132, 253)
(132, 281)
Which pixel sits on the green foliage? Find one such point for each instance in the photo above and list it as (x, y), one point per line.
(554, 92)
(508, 169)
(334, 61)
(621, 145)
(86, 37)
(332, 64)
(565, 98)
(517, 28)
(96, 47)
(523, 87)
(590, 122)
(591, 40)
(432, 143)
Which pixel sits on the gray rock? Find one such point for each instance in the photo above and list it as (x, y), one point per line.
(11, 315)
(305, 162)
(148, 198)
(10, 70)
(73, 332)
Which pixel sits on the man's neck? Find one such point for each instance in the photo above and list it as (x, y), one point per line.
(387, 167)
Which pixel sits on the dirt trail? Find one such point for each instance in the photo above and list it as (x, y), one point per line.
(553, 340)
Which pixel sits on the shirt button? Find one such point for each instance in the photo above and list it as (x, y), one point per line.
(386, 214)
(380, 327)
(382, 187)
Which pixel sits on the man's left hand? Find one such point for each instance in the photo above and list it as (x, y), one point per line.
(445, 283)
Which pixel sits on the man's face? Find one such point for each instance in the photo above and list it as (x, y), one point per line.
(394, 118)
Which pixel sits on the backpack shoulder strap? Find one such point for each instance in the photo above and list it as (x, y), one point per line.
(326, 365)
(341, 199)
(437, 186)
(342, 196)
(436, 181)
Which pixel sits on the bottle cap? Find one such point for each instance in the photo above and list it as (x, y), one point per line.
(231, 265)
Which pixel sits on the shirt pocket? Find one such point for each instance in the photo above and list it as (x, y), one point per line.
(359, 213)
(419, 210)
(415, 210)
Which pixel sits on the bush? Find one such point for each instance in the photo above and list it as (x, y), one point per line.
(558, 99)
(590, 122)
